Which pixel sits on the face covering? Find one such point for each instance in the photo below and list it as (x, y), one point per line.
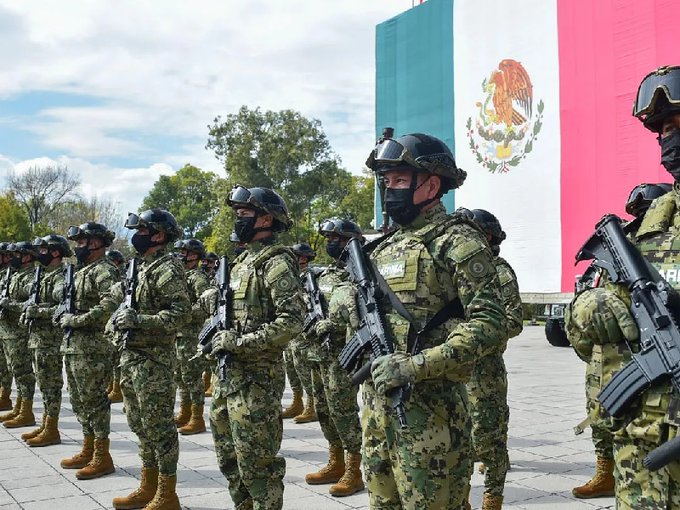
(82, 254)
(15, 262)
(399, 203)
(670, 153)
(334, 249)
(244, 228)
(45, 258)
(182, 258)
(142, 242)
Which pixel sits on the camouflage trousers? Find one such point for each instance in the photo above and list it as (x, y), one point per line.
(189, 374)
(335, 398)
(301, 365)
(87, 377)
(488, 396)
(149, 399)
(637, 487)
(291, 373)
(602, 436)
(21, 364)
(426, 466)
(115, 373)
(48, 366)
(247, 429)
(5, 372)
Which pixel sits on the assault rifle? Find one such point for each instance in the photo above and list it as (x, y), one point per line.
(221, 320)
(130, 302)
(315, 310)
(371, 335)
(34, 296)
(68, 303)
(653, 305)
(5, 289)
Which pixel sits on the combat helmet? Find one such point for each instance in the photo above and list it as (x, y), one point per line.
(658, 96)
(341, 227)
(116, 257)
(490, 225)
(262, 200)
(156, 219)
(53, 241)
(91, 229)
(642, 196)
(304, 250)
(193, 245)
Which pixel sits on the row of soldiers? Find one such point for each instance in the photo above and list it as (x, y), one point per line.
(445, 299)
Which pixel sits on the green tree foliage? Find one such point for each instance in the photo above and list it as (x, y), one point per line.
(14, 224)
(190, 195)
(291, 154)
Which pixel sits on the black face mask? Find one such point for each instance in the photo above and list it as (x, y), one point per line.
(244, 228)
(334, 249)
(15, 262)
(142, 242)
(182, 258)
(45, 258)
(399, 205)
(670, 153)
(82, 254)
(238, 250)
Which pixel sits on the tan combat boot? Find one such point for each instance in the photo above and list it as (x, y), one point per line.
(33, 433)
(25, 418)
(166, 497)
(207, 384)
(308, 413)
(49, 435)
(196, 423)
(82, 458)
(351, 482)
(5, 401)
(331, 472)
(109, 388)
(184, 414)
(601, 485)
(491, 502)
(101, 463)
(295, 408)
(143, 495)
(14, 412)
(115, 395)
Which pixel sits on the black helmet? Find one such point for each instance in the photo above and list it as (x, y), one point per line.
(263, 200)
(193, 245)
(23, 247)
(419, 151)
(210, 255)
(490, 225)
(304, 250)
(91, 229)
(52, 241)
(4, 246)
(158, 219)
(116, 257)
(343, 228)
(658, 96)
(642, 196)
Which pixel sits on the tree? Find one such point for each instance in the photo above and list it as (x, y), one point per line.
(14, 224)
(81, 210)
(40, 189)
(190, 196)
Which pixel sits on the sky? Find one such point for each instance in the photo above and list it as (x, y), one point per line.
(122, 92)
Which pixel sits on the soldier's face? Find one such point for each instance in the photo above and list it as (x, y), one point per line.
(303, 261)
(427, 185)
(669, 125)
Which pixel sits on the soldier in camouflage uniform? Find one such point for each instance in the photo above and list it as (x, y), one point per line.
(189, 372)
(601, 316)
(5, 372)
(431, 262)
(488, 388)
(298, 369)
(605, 359)
(16, 339)
(87, 352)
(209, 265)
(44, 339)
(267, 311)
(334, 393)
(147, 360)
(113, 391)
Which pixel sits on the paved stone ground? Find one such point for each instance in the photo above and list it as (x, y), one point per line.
(546, 400)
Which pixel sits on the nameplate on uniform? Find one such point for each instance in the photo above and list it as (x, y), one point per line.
(326, 288)
(395, 269)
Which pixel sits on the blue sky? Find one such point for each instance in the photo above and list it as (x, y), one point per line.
(123, 102)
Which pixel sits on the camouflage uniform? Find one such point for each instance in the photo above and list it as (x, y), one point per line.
(87, 354)
(298, 349)
(115, 353)
(429, 263)
(334, 394)
(245, 415)
(147, 360)
(6, 374)
(488, 391)
(189, 375)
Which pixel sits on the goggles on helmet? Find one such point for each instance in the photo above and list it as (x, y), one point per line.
(664, 80)
(392, 152)
(641, 194)
(74, 232)
(241, 196)
(133, 221)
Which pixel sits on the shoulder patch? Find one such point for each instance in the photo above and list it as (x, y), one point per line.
(468, 244)
(479, 266)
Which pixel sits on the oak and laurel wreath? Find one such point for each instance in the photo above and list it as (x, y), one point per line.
(494, 166)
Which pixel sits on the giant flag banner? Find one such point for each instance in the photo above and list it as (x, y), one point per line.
(541, 115)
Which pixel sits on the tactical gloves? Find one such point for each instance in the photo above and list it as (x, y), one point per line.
(394, 370)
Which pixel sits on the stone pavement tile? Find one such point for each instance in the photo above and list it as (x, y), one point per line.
(41, 493)
(212, 501)
(313, 503)
(557, 502)
(6, 498)
(120, 481)
(32, 481)
(74, 502)
(39, 470)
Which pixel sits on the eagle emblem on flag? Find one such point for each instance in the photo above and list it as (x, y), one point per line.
(507, 126)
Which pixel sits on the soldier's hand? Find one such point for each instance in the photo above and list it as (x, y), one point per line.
(394, 370)
(599, 316)
(323, 327)
(32, 312)
(224, 341)
(68, 320)
(126, 319)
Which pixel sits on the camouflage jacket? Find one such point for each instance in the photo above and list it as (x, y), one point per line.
(198, 282)
(6, 328)
(92, 282)
(43, 334)
(19, 290)
(430, 263)
(511, 298)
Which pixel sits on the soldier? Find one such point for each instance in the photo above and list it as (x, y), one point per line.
(602, 483)
(245, 416)
(24, 256)
(87, 353)
(147, 360)
(432, 262)
(334, 393)
(5, 372)
(114, 393)
(188, 373)
(599, 319)
(209, 263)
(298, 369)
(488, 388)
